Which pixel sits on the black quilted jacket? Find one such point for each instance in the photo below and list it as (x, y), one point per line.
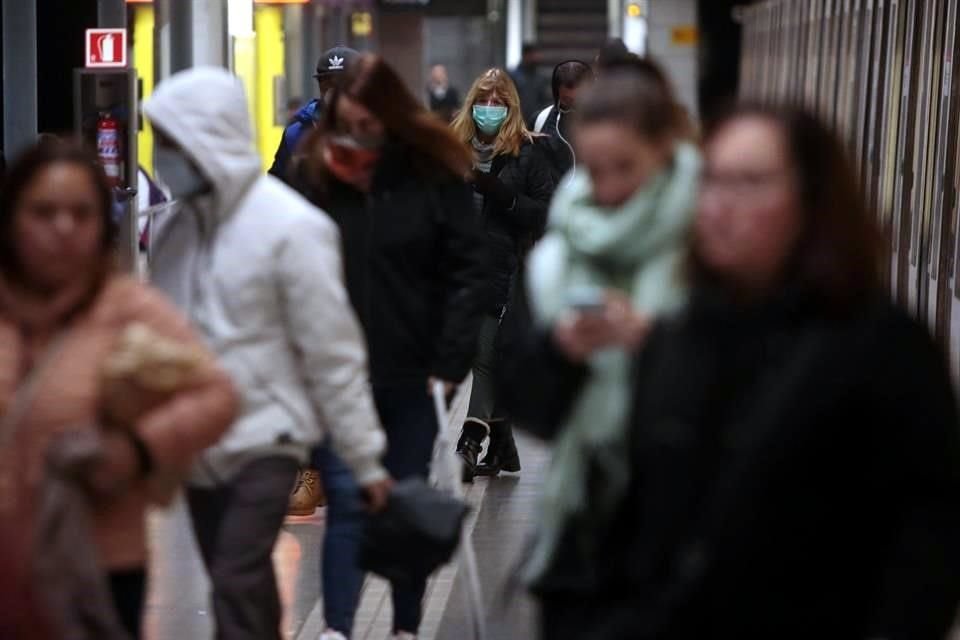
(512, 232)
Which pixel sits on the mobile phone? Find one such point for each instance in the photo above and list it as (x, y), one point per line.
(588, 300)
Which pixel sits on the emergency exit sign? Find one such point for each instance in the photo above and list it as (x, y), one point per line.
(106, 48)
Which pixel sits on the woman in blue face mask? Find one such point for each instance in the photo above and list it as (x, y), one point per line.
(512, 185)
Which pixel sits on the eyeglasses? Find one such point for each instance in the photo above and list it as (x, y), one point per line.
(741, 184)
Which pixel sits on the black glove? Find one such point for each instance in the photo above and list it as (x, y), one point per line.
(493, 189)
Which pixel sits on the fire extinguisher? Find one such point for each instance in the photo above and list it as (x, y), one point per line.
(108, 147)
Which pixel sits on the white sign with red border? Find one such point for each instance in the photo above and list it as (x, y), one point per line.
(106, 48)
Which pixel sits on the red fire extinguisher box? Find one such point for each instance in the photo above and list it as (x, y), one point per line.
(107, 120)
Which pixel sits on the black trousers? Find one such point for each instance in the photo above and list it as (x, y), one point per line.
(483, 395)
(236, 527)
(129, 589)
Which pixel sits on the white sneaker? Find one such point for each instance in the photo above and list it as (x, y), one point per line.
(330, 634)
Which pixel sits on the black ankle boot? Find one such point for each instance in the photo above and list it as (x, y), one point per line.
(502, 454)
(470, 445)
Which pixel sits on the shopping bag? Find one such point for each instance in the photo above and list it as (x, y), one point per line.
(447, 471)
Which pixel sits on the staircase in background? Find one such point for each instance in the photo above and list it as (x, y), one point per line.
(570, 29)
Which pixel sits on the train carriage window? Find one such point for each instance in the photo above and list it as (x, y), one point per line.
(814, 30)
(876, 97)
(926, 209)
(823, 91)
(747, 56)
(907, 151)
(953, 195)
(890, 120)
(788, 52)
(927, 103)
(759, 53)
(803, 50)
(856, 118)
(776, 33)
(941, 248)
(834, 19)
(844, 71)
(795, 53)
(941, 98)
(770, 79)
(906, 113)
(897, 125)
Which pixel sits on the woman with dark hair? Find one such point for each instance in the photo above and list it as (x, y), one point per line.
(394, 179)
(63, 309)
(649, 68)
(512, 186)
(613, 50)
(794, 453)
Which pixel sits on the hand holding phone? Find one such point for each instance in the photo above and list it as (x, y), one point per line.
(587, 300)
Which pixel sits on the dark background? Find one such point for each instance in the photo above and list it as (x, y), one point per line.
(719, 56)
(60, 49)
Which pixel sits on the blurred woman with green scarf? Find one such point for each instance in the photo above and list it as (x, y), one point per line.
(610, 263)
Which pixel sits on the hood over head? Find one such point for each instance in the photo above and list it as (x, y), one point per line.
(204, 111)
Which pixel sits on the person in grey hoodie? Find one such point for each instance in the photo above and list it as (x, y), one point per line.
(259, 270)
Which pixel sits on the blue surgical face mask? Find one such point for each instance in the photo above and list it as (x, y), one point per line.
(177, 172)
(489, 119)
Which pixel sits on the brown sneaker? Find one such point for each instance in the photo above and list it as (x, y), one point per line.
(307, 494)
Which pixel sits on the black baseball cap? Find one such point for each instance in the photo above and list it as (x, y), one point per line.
(335, 60)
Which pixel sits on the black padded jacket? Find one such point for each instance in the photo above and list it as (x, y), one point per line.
(512, 232)
(416, 269)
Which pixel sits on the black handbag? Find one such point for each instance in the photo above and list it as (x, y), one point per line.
(417, 532)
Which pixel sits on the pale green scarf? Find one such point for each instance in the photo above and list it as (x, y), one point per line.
(637, 248)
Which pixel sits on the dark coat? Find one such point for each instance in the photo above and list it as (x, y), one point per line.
(511, 232)
(558, 148)
(445, 106)
(415, 269)
(796, 474)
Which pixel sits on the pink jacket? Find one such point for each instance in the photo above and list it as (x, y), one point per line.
(67, 398)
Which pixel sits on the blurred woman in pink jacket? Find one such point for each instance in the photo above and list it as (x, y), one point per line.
(63, 310)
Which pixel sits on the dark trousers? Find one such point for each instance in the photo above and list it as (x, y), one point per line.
(236, 527)
(409, 419)
(568, 619)
(128, 589)
(483, 398)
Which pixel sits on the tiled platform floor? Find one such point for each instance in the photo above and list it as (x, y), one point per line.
(503, 510)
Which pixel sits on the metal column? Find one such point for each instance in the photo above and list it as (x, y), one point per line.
(207, 19)
(19, 75)
(181, 36)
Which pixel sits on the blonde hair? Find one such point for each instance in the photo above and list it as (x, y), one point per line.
(514, 131)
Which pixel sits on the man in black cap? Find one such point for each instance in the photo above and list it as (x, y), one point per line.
(331, 64)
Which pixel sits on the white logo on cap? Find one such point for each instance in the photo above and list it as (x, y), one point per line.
(336, 63)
